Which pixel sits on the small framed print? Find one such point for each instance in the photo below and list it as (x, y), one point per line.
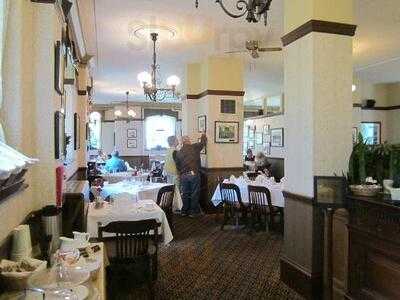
(132, 143)
(202, 124)
(77, 132)
(59, 67)
(132, 133)
(226, 132)
(277, 138)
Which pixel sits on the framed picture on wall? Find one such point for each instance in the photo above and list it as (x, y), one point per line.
(59, 135)
(132, 133)
(275, 105)
(59, 67)
(226, 132)
(132, 143)
(77, 132)
(202, 124)
(277, 138)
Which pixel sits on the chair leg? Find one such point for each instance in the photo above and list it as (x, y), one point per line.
(225, 218)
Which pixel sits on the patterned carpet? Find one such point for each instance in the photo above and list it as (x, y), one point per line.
(204, 262)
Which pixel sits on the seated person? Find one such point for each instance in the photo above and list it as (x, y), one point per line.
(115, 164)
(262, 164)
(249, 155)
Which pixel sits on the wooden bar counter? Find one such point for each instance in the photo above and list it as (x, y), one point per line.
(374, 248)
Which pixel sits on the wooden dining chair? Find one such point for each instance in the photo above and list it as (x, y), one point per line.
(262, 211)
(133, 255)
(233, 205)
(165, 199)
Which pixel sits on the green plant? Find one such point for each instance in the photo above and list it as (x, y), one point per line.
(395, 166)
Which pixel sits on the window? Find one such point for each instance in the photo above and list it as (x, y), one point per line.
(95, 131)
(157, 130)
(371, 132)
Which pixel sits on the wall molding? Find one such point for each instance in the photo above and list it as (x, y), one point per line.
(319, 26)
(215, 93)
(305, 283)
(300, 198)
(393, 107)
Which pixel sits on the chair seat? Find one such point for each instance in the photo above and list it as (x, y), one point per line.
(125, 274)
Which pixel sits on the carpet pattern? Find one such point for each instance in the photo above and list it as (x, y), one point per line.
(204, 262)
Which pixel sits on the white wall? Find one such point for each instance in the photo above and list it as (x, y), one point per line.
(107, 136)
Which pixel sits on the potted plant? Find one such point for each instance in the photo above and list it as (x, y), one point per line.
(361, 172)
(393, 185)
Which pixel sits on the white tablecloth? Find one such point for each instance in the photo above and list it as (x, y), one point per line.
(137, 191)
(128, 211)
(121, 176)
(277, 198)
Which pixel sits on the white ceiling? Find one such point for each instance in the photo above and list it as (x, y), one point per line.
(207, 30)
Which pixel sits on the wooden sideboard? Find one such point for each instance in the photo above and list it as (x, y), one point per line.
(374, 249)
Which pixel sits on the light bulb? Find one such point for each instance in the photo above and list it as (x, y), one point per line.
(144, 78)
(173, 80)
(131, 113)
(353, 88)
(118, 113)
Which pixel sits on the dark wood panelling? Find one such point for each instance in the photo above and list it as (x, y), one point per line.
(277, 167)
(393, 107)
(301, 198)
(80, 174)
(209, 183)
(319, 26)
(215, 93)
(374, 249)
(82, 92)
(306, 284)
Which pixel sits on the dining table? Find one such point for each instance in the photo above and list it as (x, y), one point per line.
(137, 191)
(122, 176)
(275, 188)
(127, 210)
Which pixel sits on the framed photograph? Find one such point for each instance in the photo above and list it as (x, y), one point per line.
(132, 143)
(77, 132)
(228, 106)
(329, 190)
(226, 132)
(202, 124)
(59, 67)
(59, 135)
(259, 138)
(277, 138)
(355, 135)
(131, 133)
(275, 105)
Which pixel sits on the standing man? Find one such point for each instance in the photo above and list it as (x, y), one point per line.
(188, 164)
(172, 172)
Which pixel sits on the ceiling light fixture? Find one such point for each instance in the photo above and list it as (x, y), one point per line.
(149, 81)
(253, 9)
(353, 88)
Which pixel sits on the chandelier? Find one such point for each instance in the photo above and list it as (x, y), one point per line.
(131, 113)
(253, 9)
(149, 81)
